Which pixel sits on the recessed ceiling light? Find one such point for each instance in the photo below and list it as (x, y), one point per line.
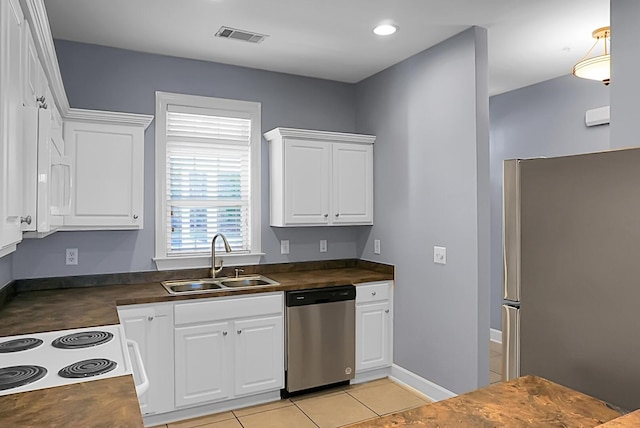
(385, 29)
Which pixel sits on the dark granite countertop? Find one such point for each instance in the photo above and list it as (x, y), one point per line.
(68, 303)
(528, 401)
(66, 308)
(99, 403)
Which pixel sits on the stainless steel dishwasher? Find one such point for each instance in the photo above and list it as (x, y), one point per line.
(320, 341)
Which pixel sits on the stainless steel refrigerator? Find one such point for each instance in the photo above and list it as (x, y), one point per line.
(572, 272)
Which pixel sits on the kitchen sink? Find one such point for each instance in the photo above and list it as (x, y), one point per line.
(246, 282)
(209, 285)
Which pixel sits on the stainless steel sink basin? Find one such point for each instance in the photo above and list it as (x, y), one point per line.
(191, 286)
(247, 282)
(209, 285)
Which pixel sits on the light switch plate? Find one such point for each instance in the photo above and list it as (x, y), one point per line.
(284, 246)
(440, 255)
(323, 245)
(376, 246)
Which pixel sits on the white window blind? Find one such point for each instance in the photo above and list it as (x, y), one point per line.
(208, 180)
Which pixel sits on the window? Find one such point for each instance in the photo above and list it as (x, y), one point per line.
(207, 180)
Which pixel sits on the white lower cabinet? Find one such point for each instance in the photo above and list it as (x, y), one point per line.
(203, 363)
(228, 347)
(151, 327)
(374, 326)
(259, 352)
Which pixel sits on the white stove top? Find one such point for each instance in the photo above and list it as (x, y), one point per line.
(53, 359)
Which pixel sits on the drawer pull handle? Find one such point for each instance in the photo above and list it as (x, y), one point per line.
(239, 331)
(135, 216)
(386, 311)
(26, 219)
(373, 293)
(150, 318)
(224, 333)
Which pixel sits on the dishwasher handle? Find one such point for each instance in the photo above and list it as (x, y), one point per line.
(317, 296)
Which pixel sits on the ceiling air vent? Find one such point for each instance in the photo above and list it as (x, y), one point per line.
(245, 36)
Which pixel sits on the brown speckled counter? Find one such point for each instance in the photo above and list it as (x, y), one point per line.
(66, 308)
(528, 401)
(627, 421)
(100, 403)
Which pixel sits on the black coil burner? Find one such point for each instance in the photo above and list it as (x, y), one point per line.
(84, 339)
(88, 368)
(15, 376)
(17, 345)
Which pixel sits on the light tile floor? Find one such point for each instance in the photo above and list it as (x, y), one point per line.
(332, 408)
(495, 362)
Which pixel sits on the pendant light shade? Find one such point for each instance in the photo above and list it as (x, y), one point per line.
(596, 67)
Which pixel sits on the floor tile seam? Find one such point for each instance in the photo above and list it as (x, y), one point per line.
(261, 411)
(239, 421)
(304, 413)
(359, 401)
(415, 393)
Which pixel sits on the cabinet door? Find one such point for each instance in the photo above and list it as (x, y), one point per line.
(202, 363)
(373, 332)
(34, 80)
(151, 328)
(11, 155)
(306, 181)
(259, 355)
(109, 175)
(352, 185)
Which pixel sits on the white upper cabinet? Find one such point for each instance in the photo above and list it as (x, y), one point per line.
(108, 180)
(47, 172)
(352, 185)
(320, 178)
(11, 151)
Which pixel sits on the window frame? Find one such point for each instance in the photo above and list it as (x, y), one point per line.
(251, 109)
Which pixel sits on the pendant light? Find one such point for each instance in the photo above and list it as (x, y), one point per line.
(597, 67)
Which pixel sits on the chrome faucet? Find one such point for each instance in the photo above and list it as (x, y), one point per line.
(227, 248)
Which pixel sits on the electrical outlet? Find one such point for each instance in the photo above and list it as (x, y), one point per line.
(284, 246)
(323, 245)
(440, 255)
(376, 246)
(72, 256)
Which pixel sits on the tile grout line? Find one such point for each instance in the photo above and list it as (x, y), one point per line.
(303, 412)
(376, 413)
(237, 419)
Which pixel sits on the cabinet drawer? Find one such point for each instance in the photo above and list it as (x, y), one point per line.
(215, 309)
(373, 292)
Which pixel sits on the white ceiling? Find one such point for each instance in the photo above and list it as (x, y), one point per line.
(529, 40)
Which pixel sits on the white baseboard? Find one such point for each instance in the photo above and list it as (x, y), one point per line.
(434, 391)
(495, 335)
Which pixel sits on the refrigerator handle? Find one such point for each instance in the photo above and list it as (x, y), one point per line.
(510, 342)
(511, 230)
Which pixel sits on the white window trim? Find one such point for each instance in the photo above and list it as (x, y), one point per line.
(229, 259)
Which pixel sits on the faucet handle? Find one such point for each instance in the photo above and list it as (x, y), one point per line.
(238, 272)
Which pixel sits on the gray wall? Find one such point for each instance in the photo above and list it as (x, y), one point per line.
(625, 61)
(104, 78)
(546, 119)
(6, 274)
(432, 188)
